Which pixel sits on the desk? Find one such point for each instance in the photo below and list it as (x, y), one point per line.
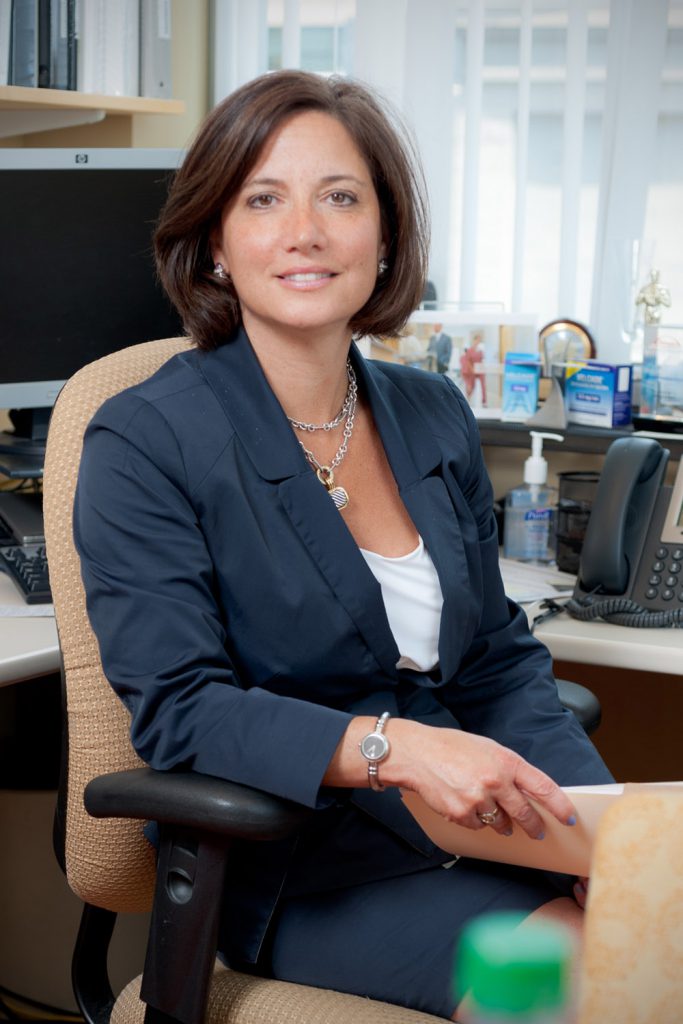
(637, 675)
(622, 647)
(28, 645)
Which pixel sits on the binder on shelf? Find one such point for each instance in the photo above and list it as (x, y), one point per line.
(109, 47)
(46, 69)
(32, 43)
(5, 35)
(155, 49)
(63, 52)
(24, 43)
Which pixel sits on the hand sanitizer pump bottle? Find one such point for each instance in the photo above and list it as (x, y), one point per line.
(529, 534)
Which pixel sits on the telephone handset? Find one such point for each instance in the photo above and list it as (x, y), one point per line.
(631, 567)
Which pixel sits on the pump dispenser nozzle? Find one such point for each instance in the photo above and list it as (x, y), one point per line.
(536, 467)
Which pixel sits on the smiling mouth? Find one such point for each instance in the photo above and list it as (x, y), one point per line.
(305, 278)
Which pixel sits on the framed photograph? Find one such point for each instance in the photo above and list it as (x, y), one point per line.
(468, 345)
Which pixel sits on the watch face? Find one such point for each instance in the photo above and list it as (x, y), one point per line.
(374, 747)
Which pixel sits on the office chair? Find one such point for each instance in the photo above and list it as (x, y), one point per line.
(106, 794)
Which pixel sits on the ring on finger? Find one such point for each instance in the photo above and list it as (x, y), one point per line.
(489, 817)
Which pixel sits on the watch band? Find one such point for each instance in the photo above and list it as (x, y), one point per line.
(375, 747)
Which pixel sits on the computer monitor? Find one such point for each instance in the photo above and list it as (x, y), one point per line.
(77, 278)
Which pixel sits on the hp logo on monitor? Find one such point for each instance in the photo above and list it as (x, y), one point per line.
(81, 158)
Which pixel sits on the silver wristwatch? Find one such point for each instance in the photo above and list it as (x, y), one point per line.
(375, 747)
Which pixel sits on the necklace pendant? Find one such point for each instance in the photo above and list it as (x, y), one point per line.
(339, 495)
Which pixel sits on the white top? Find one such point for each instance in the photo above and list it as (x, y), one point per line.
(413, 601)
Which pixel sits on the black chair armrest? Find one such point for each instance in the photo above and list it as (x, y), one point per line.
(582, 702)
(194, 801)
(199, 816)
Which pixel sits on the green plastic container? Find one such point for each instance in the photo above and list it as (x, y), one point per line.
(513, 973)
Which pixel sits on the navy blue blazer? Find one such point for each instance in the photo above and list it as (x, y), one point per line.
(241, 626)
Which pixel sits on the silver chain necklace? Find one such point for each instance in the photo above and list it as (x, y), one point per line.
(351, 389)
(325, 473)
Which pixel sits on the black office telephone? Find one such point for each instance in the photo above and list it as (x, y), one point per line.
(631, 567)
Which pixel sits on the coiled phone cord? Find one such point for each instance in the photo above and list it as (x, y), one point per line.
(622, 612)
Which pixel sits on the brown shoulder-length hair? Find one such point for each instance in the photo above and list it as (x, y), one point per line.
(226, 149)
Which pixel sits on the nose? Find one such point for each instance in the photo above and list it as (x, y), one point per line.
(305, 229)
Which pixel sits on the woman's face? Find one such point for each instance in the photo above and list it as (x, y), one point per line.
(302, 238)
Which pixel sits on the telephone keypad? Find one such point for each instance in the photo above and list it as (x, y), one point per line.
(665, 582)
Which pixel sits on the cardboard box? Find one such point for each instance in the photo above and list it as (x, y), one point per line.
(598, 394)
(521, 374)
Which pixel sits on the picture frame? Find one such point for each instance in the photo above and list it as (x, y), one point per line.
(479, 340)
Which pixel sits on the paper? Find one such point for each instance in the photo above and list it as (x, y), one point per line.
(565, 848)
(524, 582)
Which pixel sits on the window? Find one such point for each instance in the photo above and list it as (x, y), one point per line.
(324, 31)
(551, 134)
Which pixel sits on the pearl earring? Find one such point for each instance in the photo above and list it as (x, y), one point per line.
(219, 271)
(383, 266)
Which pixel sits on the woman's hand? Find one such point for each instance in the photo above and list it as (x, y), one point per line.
(461, 776)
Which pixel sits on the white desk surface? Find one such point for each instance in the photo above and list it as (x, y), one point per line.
(29, 646)
(599, 643)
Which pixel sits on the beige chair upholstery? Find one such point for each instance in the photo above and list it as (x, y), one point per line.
(109, 863)
(633, 956)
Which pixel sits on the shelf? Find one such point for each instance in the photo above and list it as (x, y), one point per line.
(23, 111)
(592, 440)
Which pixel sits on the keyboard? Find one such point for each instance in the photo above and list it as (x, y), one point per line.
(27, 565)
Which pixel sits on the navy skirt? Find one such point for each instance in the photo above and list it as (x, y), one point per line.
(395, 939)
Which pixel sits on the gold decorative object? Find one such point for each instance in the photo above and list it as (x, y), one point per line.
(653, 296)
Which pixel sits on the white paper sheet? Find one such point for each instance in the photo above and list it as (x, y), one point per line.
(524, 582)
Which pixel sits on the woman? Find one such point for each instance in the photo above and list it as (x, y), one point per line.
(308, 539)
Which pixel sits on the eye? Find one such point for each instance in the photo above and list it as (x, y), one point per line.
(342, 198)
(262, 201)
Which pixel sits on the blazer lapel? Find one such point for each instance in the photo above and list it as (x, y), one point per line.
(236, 378)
